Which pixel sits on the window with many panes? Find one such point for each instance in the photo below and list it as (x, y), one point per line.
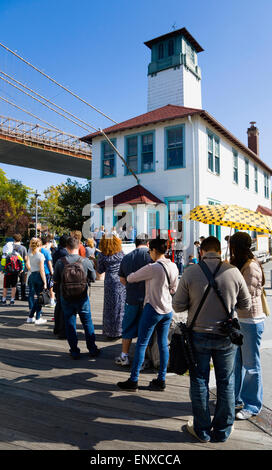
(140, 152)
(171, 47)
(190, 53)
(246, 173)
(161, 51)
(256, 178)
(175, 147)
(235, 166)
(147, 160)
(266, 185)
(108, 160)
(213, 153)
(132, 153)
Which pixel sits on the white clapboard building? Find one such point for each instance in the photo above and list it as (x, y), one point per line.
(176, 155)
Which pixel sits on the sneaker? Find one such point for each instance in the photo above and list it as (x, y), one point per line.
(94, 353)
(12, 302)
(41, 321)
(243, 414)
(3, 302)
(30, 320)
(75, 355)
(190, 429)
(122, 361)
(158, 385)
(128, 385)
(216, 439)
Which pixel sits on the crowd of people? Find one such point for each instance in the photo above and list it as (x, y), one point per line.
(141, 290)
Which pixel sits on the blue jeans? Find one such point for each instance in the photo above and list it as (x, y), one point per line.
(248, 374)
(222, 352)
(70, 310)
(150, 320)
(35, 284)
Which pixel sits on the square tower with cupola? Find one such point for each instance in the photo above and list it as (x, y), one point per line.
(174, 76)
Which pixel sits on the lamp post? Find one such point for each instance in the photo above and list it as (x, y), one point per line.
(36, 212)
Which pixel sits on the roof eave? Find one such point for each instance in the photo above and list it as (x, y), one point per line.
(205, 115)
(183, 32)
(88, 138)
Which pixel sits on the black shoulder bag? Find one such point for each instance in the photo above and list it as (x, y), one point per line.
(231, 326)
(181, 354)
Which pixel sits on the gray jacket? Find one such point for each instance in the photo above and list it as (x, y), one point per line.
(192, 286)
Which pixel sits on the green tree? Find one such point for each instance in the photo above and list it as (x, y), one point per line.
(14, 199)
(61, 206)
(73, 197)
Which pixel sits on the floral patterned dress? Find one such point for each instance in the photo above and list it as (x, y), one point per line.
(114, 294)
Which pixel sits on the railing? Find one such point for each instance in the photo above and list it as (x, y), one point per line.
(34, 133)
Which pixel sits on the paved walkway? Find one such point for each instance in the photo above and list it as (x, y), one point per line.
(49, 401)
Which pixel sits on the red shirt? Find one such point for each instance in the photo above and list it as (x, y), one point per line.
(82, 251)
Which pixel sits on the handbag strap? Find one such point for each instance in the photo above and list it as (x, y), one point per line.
(165, 270)
(212, 282)
(203, 298)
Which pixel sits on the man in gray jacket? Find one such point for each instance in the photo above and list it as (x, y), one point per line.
(210, 342)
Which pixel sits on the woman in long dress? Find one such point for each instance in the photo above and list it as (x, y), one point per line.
(108, 262)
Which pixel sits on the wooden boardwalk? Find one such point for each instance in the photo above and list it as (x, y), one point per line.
(50, 402)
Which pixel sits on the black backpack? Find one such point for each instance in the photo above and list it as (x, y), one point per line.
(73, 280)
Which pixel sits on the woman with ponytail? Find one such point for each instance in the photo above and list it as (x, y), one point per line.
(248, 374)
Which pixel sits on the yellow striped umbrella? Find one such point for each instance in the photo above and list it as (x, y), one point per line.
(231, 215)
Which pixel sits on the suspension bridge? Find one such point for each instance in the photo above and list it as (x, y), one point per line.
(42, 148)
(34, 146)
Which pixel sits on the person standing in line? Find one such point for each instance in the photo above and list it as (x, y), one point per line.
(23, 253)
(209, 341)
(114, 232)
(108, 262)
(78, 235)
(161, 279)
(48, 266)
(37, 280)
(248, 373)
(135, 294)
(59, 324)
(12, 264)
(99, 235)
(72, 275)
(178, 255)
(197, 245)
(90, 248)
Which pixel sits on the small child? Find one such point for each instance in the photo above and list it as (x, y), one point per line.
(12, 264)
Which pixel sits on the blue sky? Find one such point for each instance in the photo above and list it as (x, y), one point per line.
(96, 49)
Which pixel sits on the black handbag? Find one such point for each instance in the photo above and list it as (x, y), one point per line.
(44, 297)
(181, 352)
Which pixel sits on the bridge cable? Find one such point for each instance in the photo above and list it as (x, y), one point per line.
(100, 131)
(52, 109)
(28, 112)
(45, 99)
(56, 83)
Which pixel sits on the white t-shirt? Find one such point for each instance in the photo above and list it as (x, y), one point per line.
(35, 260)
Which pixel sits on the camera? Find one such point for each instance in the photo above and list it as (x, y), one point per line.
(231, 328)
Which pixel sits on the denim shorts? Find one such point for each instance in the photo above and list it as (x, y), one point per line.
(131, 321)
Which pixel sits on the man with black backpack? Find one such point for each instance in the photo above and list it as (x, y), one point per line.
(72, 274)
(218, 288)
